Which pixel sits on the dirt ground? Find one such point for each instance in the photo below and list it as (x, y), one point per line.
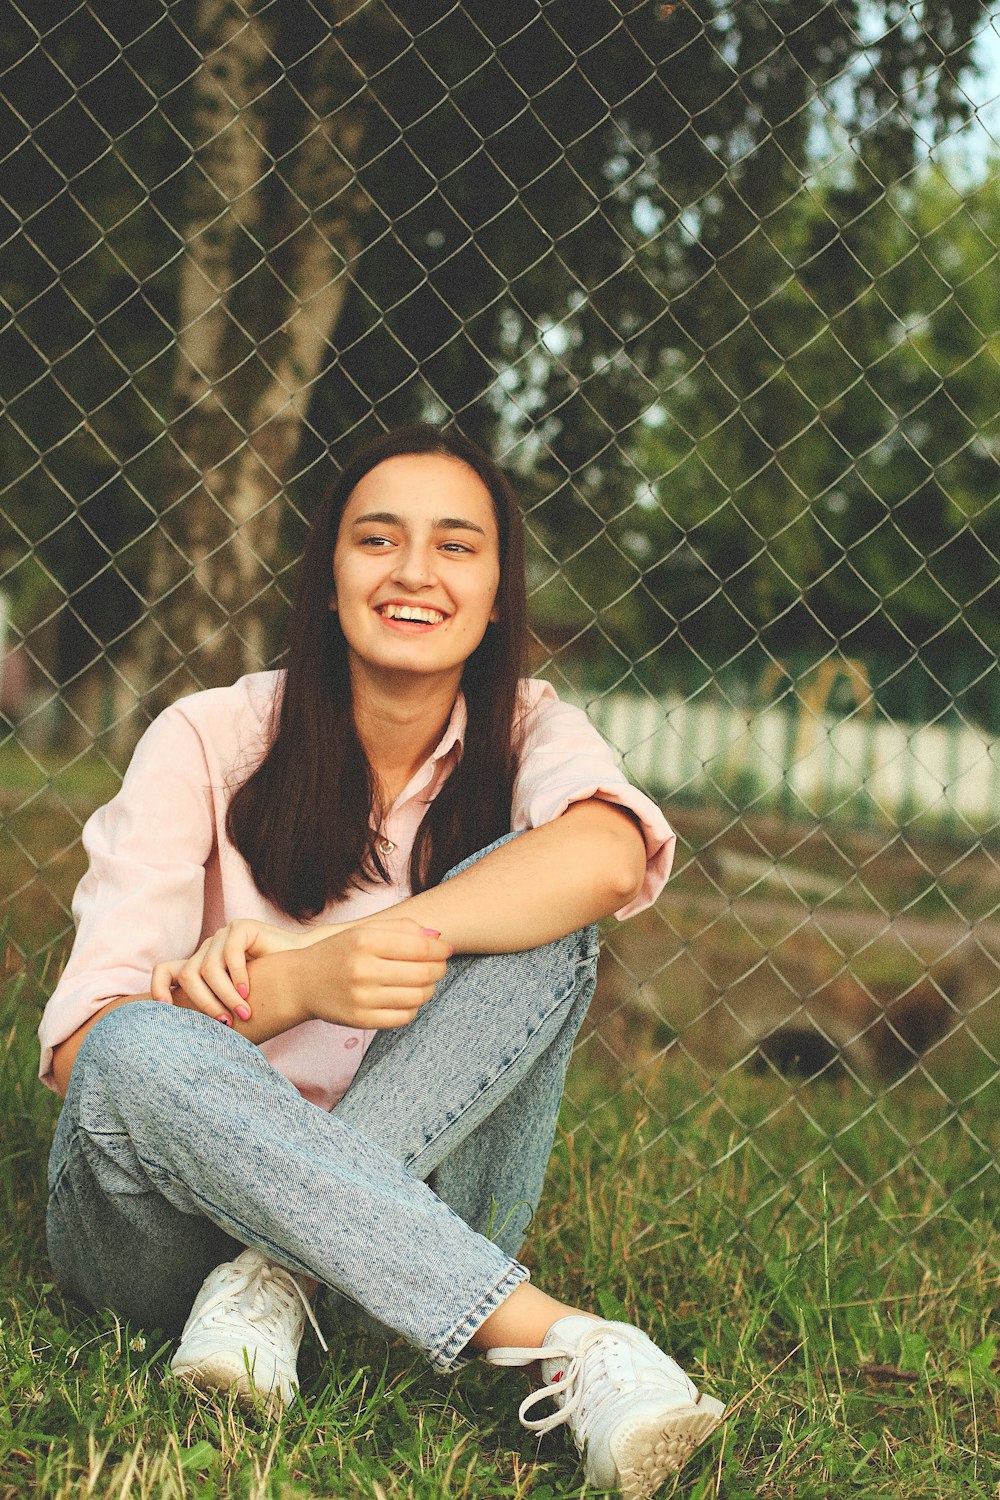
(810, 949)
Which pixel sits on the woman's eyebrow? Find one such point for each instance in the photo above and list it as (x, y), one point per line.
(379, 517)
(457, 523)
(446, 523)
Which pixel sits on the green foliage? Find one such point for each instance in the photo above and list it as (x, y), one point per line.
(837, 482)
(564, 223)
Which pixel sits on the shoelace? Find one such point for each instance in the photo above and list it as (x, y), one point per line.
(595, 1370)
(264, 1295)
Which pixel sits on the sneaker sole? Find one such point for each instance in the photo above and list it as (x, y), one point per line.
(222, 1372)
(648, 1449)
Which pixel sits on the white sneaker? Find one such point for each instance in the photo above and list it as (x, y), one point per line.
(244, 1331)
(634, 1415)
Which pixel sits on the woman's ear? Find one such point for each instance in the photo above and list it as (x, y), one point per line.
(333, 604)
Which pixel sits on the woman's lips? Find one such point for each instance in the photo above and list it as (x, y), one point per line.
(410, 619)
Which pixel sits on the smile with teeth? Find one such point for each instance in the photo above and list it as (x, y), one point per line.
(419, 614)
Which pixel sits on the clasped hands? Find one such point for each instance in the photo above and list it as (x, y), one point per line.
(372, 974)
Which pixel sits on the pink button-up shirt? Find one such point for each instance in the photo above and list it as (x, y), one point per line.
(163, 875)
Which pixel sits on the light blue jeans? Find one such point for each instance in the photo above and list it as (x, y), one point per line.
(179, 1145)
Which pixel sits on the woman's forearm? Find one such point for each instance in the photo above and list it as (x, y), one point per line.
(547, 882)
(550, 881)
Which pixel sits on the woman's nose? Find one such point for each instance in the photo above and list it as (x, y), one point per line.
(413, 568)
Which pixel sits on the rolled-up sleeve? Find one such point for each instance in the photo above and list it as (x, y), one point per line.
(142, 898)
(564, 760)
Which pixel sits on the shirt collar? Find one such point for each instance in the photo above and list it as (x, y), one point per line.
(454, 731)
(432, 773)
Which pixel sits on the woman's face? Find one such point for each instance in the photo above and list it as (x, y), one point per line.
(416, 568)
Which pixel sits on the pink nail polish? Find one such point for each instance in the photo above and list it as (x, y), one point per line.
(225, 1020)
(243, 1011)
(431, 932)
(244, 990)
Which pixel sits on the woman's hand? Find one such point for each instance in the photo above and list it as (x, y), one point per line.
(373, 974)
(215, 979)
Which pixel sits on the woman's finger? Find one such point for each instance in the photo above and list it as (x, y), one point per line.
(397, 1006)
(196, 995)
(383, 998)
(175, 981)
(388, 1016)
(394, 973)
(400, 939)
(237, 943)
(215, 974)
(164, 977)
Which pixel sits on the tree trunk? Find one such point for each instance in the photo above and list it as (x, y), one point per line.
(271, 226)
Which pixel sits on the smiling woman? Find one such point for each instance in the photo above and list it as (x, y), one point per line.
(379, 870)
(417, 557)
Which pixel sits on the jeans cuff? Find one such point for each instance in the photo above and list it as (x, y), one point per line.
(447, 1354)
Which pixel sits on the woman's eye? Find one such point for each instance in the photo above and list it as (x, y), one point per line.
(376, 542)
(455, 547)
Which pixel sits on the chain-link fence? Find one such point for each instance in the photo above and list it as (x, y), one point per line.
(717, 282)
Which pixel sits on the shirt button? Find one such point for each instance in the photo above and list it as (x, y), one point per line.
(351, 1042)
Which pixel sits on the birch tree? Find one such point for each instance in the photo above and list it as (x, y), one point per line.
(271, 220)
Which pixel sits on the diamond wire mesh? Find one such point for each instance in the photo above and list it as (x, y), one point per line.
(716, 282)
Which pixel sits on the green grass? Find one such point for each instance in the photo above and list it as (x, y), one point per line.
(822, 1257)
(850, 1331)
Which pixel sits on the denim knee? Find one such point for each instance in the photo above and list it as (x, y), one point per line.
(130, 1034)
(137, 1050)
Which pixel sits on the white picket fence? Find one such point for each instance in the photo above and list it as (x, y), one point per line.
(802, 763)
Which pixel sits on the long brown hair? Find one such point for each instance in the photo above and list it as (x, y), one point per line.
(306, 819)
